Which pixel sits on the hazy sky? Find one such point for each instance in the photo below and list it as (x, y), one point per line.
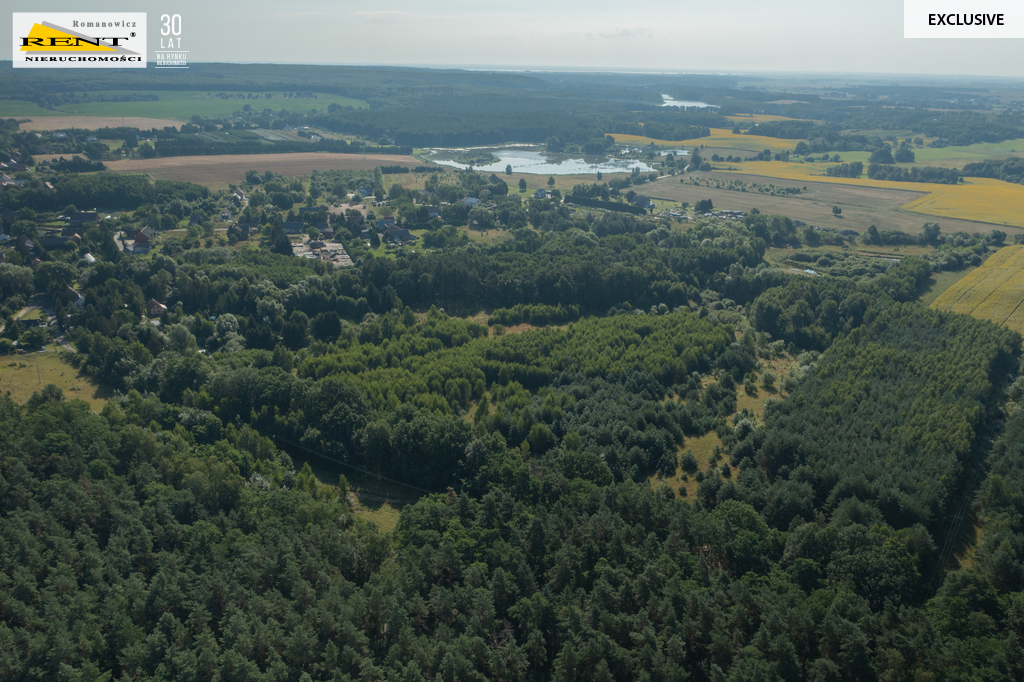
(739, 35)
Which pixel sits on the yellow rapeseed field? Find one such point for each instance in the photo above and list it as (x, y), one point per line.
(995, 291)
(984, 199)
(981, 199)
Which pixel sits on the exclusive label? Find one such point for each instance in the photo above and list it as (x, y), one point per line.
(952, 19)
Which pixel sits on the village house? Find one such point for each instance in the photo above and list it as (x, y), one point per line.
(155, 307)
(76, 298)
(397, 235)
(77, 219)
(51, 241)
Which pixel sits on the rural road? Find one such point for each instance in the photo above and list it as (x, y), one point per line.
(17, 317)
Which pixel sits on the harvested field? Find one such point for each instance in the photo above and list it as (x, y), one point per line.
(978, 200)
(720, 137)
(761, 118)
(95, 122)
(213, 170)
(995, 291)
(862, 206)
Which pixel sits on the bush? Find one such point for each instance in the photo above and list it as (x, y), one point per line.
(688, 462)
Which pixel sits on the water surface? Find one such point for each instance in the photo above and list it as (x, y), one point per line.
(669, 102)
(541, 163)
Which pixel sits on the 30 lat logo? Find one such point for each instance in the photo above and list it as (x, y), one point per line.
(171, 55)
(79, 40)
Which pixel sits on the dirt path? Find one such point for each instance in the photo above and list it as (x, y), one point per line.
(17, 316)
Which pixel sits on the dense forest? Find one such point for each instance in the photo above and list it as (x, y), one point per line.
(633, 448)
(181, 533)
(1007, 170)
(451, 107)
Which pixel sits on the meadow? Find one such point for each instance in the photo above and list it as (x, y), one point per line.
(23, 375)
(994, 291)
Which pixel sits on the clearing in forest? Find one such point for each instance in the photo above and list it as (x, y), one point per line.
(23, 375)
(995, 291)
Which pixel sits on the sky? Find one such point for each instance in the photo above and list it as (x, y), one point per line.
(737, 36)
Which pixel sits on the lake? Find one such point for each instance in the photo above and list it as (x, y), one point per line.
(669, 102)
(541, 163)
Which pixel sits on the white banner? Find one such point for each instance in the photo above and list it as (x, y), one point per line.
(946, 19)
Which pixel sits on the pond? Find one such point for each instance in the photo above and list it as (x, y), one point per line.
(541, 163)
(669, 102)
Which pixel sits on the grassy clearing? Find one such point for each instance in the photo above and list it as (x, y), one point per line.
(939, 282)
(384, 515)
(994, 291)
(23, 375)
(703, 447)
(488, 237)
(372, 499)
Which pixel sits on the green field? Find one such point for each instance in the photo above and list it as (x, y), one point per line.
(16, 108)
(179, 105)
(982, 150)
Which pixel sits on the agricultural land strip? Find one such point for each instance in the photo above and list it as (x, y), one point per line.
(214, 170)
(995, 291)
(979, 199)
(96, 122)
(983, 199)
(862, 206)
(719, 137)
